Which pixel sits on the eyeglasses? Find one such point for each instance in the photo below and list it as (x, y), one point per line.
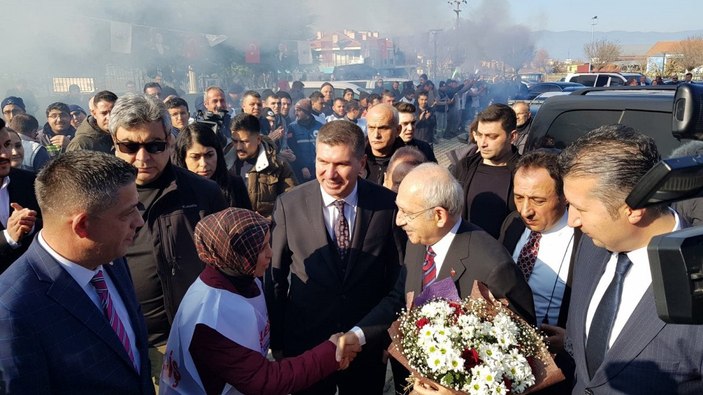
(130, 147)
(409, 217)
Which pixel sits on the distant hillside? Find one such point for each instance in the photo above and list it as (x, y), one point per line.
(569, 44)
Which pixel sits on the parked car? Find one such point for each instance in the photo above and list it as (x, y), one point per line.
(602, 79)
(542, 87)
(561, 120)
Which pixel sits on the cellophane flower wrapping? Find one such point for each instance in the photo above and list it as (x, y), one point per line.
(471, 346)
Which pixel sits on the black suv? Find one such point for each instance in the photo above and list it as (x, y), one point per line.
(562, 119)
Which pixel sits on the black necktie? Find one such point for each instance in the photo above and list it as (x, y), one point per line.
(604, 317)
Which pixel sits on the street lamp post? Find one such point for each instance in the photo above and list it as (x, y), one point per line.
(594, 22)
(434, 57)
(457, 8)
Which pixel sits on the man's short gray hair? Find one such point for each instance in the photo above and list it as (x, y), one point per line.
(133, 110)
(440, 189)
(212, 88)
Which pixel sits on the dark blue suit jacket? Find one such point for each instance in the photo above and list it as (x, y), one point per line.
(648, 357)
(53, 339)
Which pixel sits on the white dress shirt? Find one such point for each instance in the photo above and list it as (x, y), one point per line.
(82, 276)
(548, 278)
(330, 213)
(441, 248)
(636, 282)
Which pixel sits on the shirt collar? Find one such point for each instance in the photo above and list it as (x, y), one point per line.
(563, 221)
(5, 182)
(442, 246)
(79, 273)
(350, 199)
(640, 254)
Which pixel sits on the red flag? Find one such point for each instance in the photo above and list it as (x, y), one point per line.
(253, 55)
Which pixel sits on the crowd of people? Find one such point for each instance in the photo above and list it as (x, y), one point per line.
(254, 249)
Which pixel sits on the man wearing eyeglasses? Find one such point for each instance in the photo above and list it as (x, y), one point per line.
(163, 259)
(442, 245)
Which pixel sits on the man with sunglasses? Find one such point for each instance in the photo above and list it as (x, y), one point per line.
(163, 259)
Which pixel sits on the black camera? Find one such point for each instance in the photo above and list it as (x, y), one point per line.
(676, 259)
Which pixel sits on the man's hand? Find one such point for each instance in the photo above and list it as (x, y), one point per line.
(21, 221)
(60, 140)
(276, 134)
(347, 348)
(556, 337)
(287, 154)
(306, 173)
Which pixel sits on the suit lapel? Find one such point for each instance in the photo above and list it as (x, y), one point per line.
(638, 332)
(124, 287)
(318, 230)
(414, 258)
(361, 223)
(67, 293)
(456, 261)
(592, 260)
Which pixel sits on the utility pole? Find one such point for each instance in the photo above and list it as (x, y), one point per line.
(457, 9)
(434, 32)
(594, 22)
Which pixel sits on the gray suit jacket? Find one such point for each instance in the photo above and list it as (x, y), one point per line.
(648, 357)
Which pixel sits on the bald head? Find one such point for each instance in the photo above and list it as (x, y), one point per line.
(384, 111)
(429, 203)
(435, 186)
(382, 128)
(522, 113)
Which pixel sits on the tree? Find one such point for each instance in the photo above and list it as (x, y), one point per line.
(541, 60)
(691, 50)
(602, 53)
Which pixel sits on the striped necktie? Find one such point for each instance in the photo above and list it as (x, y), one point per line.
(98, 281)
(429, 270)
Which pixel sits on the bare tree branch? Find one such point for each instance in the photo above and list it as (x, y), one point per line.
(602, 53)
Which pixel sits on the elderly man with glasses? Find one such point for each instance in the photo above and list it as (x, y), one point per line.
(441, 245)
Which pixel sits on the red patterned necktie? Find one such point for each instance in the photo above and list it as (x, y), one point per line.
(98, 281)
(341, 230)
(528, 254)
(429, 269)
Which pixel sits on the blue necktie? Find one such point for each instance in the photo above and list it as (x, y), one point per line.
(604, 317)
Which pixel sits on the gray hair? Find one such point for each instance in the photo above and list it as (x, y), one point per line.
(82, 180)
(691, 148)
(617, 156)
(439, 188)
(212, 88)
(133, 110)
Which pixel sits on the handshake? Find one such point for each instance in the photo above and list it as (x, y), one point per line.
(347, 347)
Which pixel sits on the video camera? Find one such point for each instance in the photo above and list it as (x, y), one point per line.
(676, 259)
(217, 122)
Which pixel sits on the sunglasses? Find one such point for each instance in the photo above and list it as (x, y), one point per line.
(130, 147)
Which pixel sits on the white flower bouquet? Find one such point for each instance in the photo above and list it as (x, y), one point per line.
(474, 346)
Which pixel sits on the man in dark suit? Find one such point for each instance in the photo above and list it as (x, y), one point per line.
(619, 343)
(335, 256)
(69, 319)
(19, 209)
(441, 245)
(542, 245)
